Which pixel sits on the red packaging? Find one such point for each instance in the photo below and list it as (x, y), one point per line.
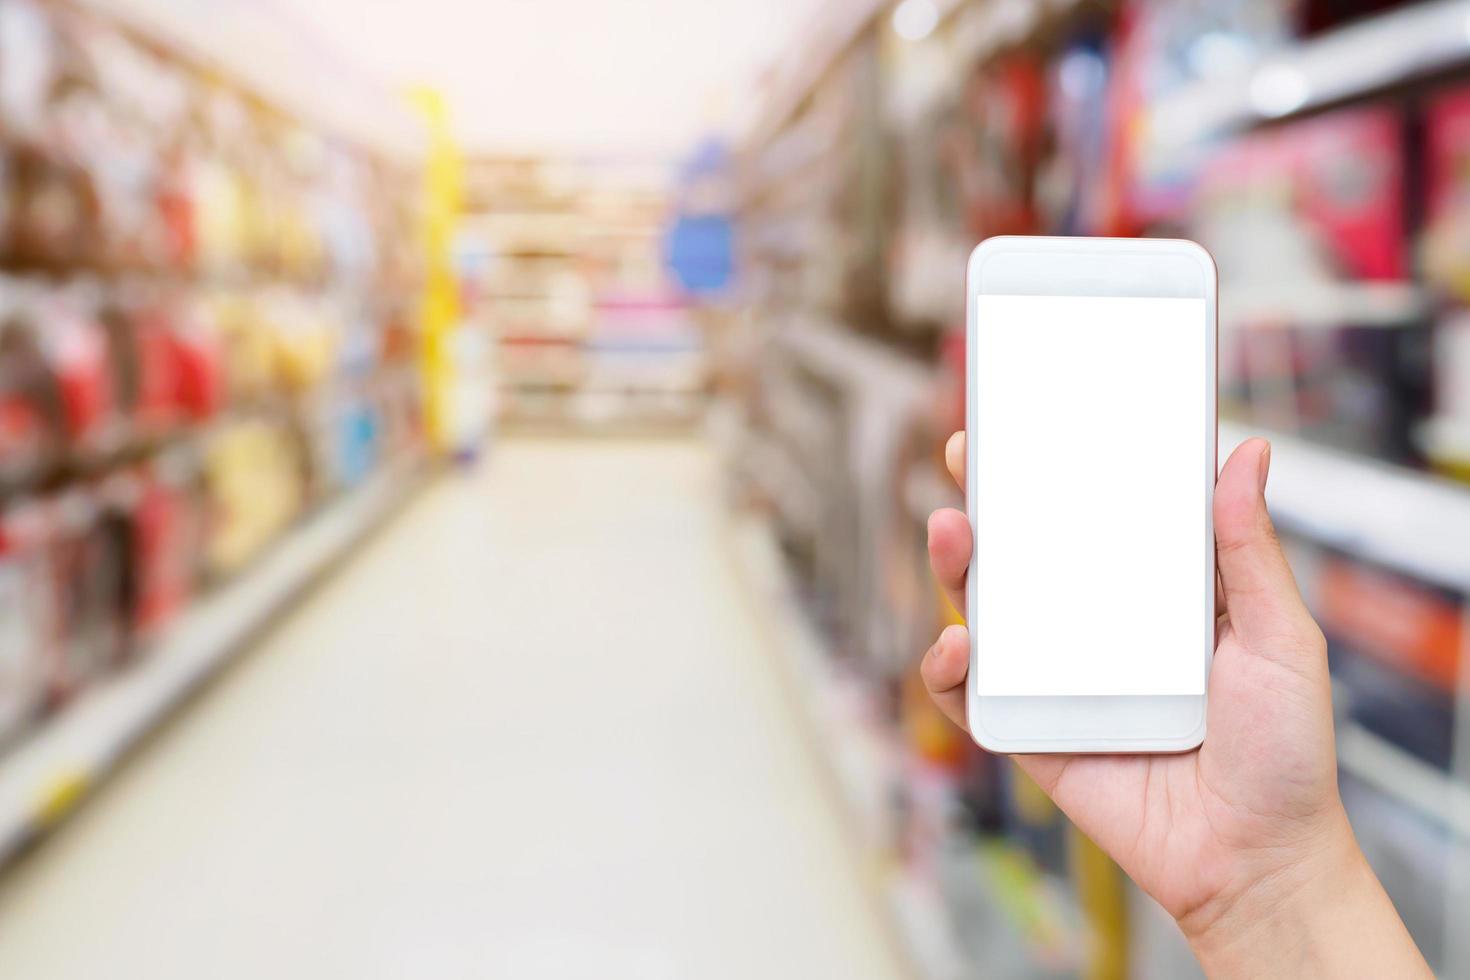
(77, 352)
(1321, 199)
(167, 535)
(1350, 178)
(1448, 138)
(1413, 629)
(32, 420)
(157, 368)
(1447, 231)
(176, 212)
(1005, 107)
(198, 364)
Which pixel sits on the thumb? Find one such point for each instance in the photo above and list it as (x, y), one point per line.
(1266, 609)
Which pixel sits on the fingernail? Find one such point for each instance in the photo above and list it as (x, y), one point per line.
(1265, 466)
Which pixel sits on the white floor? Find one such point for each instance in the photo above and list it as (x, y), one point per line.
(533, 730)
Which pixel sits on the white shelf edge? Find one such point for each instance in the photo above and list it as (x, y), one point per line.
(1324, 306)
(44, 777)
(1389, 769)
(1352, 60)
(1412, 522)
(855, 763)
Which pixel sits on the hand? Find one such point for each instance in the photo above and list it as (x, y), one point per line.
(1245, 840)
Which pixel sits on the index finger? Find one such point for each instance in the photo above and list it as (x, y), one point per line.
(954, 457)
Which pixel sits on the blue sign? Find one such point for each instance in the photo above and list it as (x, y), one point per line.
(701, 252)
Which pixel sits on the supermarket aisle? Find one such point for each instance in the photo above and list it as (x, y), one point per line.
(530, 731)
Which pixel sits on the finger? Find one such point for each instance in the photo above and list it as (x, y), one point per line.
(954, 457)
(950, 544)
(944, 669)
(1266, 610)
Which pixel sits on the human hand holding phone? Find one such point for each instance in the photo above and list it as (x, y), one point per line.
(1243, 840)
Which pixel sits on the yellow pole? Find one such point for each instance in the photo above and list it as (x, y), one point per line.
(439, 309)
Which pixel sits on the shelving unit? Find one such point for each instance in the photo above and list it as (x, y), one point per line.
(587, 333)
(1408, 521)
(1352, 62)
(44, 779)
(873, 169)
(211, 268)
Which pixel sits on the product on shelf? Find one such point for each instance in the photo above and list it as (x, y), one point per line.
(168, 535)
(574, 299)
(1409, 638)
(1446, 242)
(92, 568)
(1306, 207)
(1137, 117)
(32, 416)
(256, 478)
(207, 324)
(27, 618)
(1445, 437)
(1070, 184)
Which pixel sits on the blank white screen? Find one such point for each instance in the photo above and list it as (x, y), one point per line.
(1089, 496)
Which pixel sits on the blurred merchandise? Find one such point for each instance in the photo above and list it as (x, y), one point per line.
(25, 618)
(202, 339)
(168, 528)
(245, 296)
(1291, 140)
(256, 477)
(575, 292)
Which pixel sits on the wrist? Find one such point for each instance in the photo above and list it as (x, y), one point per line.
(1322, 915)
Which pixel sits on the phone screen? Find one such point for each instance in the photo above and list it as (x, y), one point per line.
(1088, 488)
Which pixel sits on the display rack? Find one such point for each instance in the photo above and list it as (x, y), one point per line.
(1322, 163)
(210, 276)
(859, 758)
(571, 289)
(43, 780)
(284, 65)
(1350, 63)
(1409, 521)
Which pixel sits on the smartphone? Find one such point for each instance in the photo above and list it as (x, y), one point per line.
(1091, 418)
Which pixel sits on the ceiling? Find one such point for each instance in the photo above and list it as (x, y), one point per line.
(631, 78)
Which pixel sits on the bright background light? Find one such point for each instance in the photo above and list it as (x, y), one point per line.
(1277, 90)
(641, 77)
(915, 19)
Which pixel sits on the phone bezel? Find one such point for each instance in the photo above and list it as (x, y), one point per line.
(1049, 266)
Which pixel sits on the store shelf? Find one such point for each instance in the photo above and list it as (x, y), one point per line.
(863, 759)
(982, 30)
(1405, 777)
(1412, 522)
(124, 446)
(1350, 62)
(794, 78)
(285, 66)
(49, 773)
(1324, 306)
(867, 367)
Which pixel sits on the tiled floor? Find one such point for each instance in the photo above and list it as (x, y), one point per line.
(530, 731)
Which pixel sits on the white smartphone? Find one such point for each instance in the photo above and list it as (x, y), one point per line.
(1091, 472)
